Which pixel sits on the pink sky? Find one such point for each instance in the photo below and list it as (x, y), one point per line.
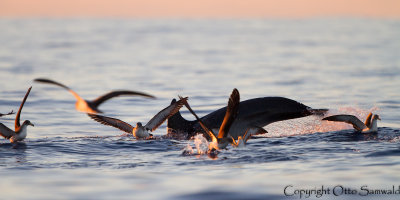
(200, 8)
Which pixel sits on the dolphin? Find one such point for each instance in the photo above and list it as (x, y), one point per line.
(253, 114)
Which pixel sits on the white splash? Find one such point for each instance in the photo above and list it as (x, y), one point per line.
(201, 144)
(188, 150)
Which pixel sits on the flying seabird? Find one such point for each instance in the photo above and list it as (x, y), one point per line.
(10, 113)
(140, 131)
(91, 106)
(253, 113)
(20, 130)
(370, 125)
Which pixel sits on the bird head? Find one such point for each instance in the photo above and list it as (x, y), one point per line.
(376, 117)
(27, 122)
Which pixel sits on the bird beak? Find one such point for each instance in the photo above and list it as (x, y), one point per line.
(31, 124)
(379, 118)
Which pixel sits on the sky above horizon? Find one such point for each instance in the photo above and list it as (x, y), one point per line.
(199, 9)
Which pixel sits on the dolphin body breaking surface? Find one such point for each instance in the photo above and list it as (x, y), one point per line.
(253, 113)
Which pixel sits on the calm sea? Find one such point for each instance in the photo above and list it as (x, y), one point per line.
(349, 65)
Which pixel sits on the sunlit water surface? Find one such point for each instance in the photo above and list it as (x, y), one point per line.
(348, 65)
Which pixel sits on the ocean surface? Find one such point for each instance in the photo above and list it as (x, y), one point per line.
(349, 65)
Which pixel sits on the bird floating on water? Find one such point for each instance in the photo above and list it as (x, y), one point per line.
(369, 126)
(92, 106)
(20, 132)
(140, 131)
(10, 113)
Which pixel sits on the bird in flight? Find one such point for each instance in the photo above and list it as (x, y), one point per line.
(92, 106)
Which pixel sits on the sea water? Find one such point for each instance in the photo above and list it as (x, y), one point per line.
(349, 65)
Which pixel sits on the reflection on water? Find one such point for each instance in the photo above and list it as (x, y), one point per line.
(347, 65)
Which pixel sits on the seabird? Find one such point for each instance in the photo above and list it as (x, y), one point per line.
(253, 113)
(20, 130)
(140, 131)
(221, 140)
(10, 113)
(91, 106)
(370, 125)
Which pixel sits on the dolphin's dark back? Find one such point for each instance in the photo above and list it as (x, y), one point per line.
(267, 109)
(253, 112)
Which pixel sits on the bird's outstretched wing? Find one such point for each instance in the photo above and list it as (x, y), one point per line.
(44, 80)
(350, 119)
(164, 114)
(112, 122)
(17, 118)
(10, 113)
(206, 129)
(368, 120)
(230, 115)
(6, 132)
(116, 93)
